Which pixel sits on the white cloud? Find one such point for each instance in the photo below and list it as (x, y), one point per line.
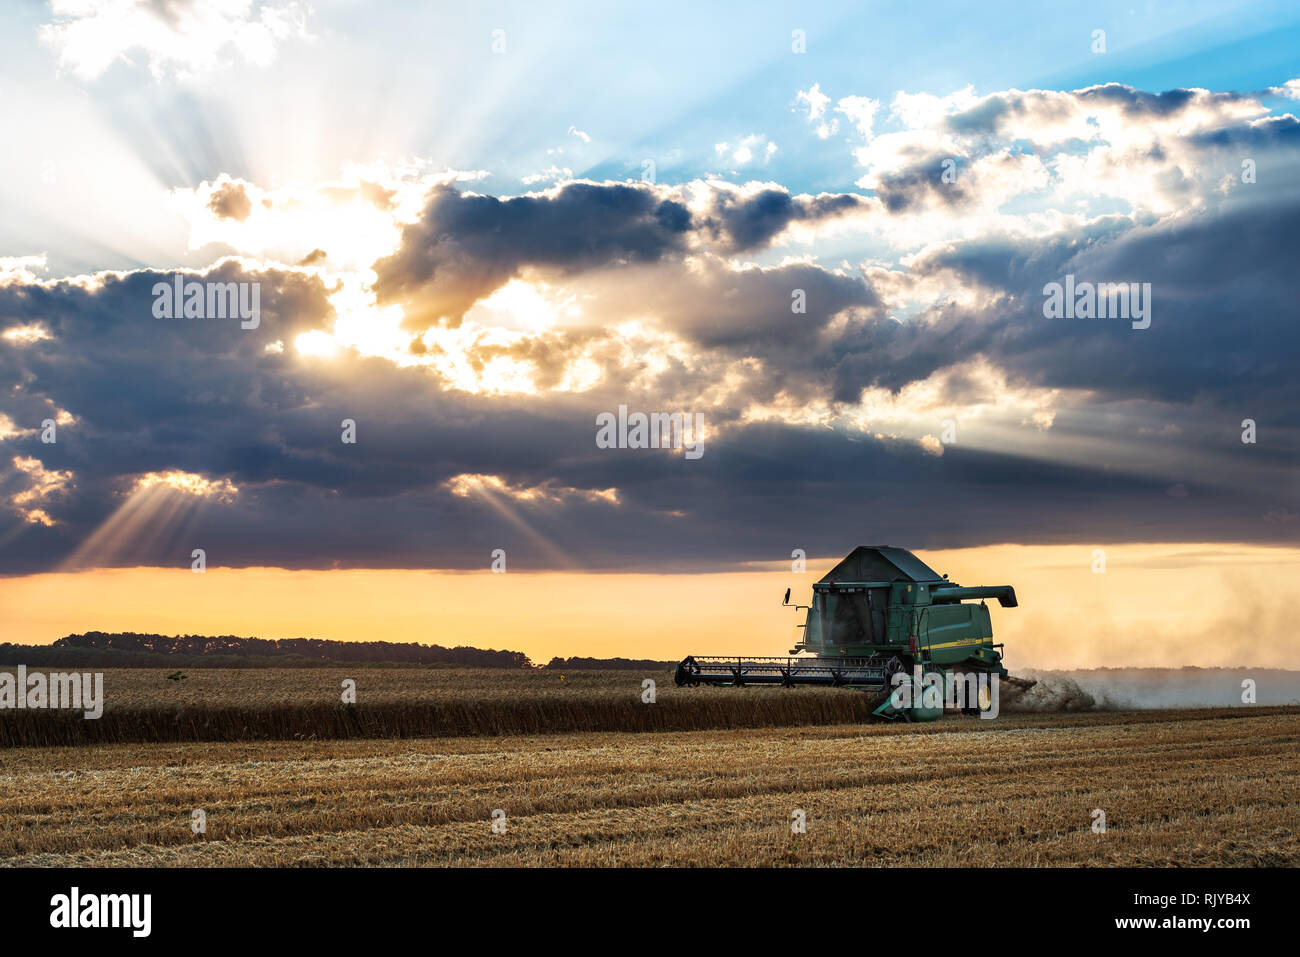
(926, 109)
(953, 164)
(861, 111)
(21, 268)
(747, 149)
(815, 101)
(551, 174)
(1290, 89)
(175, 36)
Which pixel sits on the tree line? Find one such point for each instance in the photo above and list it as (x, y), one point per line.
(142, 649)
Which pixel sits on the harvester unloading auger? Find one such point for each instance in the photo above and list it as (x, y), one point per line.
(878, 612)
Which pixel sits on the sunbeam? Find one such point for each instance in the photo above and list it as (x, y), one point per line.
(152, 517)
(481, 492)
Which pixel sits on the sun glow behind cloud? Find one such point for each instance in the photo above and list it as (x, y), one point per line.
(469, 485)
(25, 335)
(43, 486)
(154, 512)
(189, 483)
(511, 503)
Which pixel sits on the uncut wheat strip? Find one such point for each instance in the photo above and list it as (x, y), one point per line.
(403, 719)
(151, 681)
(459, 718)
(255, 685)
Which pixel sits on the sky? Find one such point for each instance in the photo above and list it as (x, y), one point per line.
(824, 234)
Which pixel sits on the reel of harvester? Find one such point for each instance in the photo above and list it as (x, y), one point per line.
(872, 672)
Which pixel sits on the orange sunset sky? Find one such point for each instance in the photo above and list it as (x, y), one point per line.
(1159, 605)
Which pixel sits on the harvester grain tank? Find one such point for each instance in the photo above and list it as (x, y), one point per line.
(879, 612)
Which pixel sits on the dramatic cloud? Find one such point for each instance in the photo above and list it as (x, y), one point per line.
(1058, 149)
(915, 390)
(466, 245)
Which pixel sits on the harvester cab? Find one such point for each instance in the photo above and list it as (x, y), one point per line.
(884, 622)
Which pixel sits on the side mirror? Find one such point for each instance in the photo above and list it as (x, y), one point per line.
(786, 601)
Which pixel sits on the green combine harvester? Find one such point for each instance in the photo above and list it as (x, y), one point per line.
(878, 613)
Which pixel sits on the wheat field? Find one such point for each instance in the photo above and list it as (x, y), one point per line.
(1210, 787)
(210, 704)
(221, 704)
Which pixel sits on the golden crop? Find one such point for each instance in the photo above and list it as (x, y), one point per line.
(212, 704)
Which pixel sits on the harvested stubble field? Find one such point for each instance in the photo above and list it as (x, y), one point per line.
(1200, 787)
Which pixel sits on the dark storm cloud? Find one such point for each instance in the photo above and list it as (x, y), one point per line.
(153, 395)
(1223, 315)
(998, 111)
(1280, 133)
(465, 246)
(919, 183)
(743, 222)
(111, 360)
(745, 312)
(307, 500)
(1140, 104)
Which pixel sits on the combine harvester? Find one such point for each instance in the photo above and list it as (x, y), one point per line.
(879, 612)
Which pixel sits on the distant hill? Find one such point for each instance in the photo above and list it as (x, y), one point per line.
(607, 664)
(131, 649)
